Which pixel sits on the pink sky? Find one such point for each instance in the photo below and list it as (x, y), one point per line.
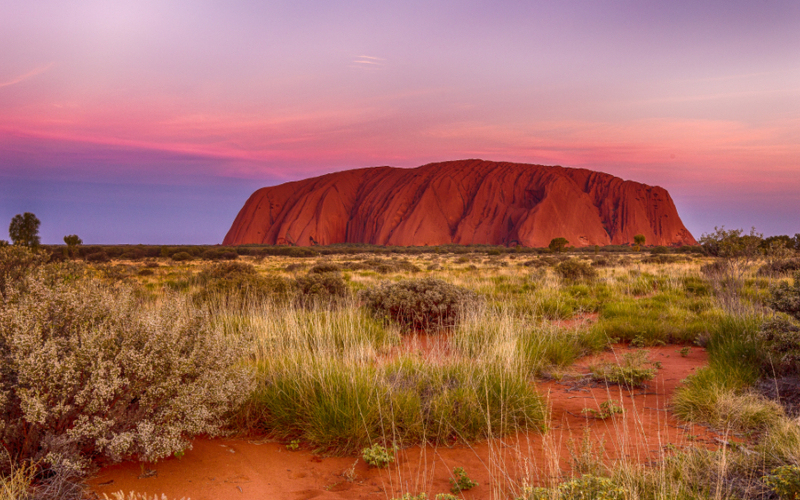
(141, 98)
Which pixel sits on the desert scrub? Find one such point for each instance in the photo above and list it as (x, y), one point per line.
(633, 370)
(572, 270)
(586, 487)
(379, 456)
(238, 285)
(320, 289)
(461, 481)
(342, 405)
(123, 379)
(786, 298)
(779, 338)
(411, 496)
(419, 304)
(606, 410)
(784, 481)
(16, 262)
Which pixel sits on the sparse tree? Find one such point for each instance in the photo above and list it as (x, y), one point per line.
(24, 230)
(73, 242)
(638, 240)
(558, 244)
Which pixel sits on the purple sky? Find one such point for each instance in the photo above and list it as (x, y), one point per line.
(152, 121)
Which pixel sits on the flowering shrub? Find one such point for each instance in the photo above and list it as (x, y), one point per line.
(88, 371)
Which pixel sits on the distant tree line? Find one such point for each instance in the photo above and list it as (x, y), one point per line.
(24, 231)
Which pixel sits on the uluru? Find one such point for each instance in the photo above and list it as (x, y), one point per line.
(461, 202)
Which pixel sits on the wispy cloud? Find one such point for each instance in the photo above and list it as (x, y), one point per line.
(367, 62)
(27, 75)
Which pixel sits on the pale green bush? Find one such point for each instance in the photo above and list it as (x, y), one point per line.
(378, 456)
(88, 371)
(419, 303)
(785, 482)
(586, 487)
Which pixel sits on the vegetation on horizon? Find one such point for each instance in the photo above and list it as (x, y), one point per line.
(312, 348)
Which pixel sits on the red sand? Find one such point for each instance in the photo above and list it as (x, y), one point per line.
(227, 469)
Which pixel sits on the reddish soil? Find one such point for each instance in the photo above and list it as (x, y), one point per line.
(464, 202)
(223, 469)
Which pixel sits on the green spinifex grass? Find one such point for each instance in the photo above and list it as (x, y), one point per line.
(718, 394)
(329, 378)
(341, 406)
(492, 332)
(668, 316)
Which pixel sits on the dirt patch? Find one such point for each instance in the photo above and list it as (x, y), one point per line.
(226, 469)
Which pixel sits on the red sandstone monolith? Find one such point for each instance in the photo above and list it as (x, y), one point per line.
(463, 202)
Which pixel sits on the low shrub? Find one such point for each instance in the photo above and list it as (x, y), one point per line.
(325, 267)
(133, 254)
(379, 456)
(100, 256)
(576, 270)
(318, 289)
(785, 482)
(237, 284)
(420, 304)
(779, 339)
(461, 481)
(607, 410)
(383, 266)
(586, 487)
(661, 259)
(124, 379)
(779, 267)
(218, 254)
(786, 298)
(181, 256)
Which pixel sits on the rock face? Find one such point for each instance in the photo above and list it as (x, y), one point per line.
(464, 202)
